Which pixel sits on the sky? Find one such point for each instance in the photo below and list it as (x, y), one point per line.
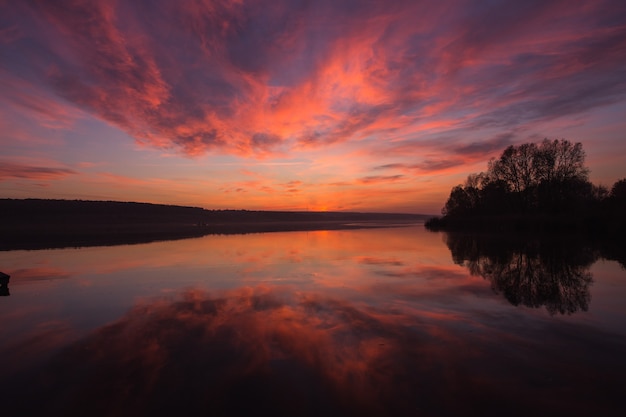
(351, 105)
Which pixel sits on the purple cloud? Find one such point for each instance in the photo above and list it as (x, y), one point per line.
(255, 77)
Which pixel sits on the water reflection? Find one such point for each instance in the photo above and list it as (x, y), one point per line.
(362, 322)
(243, 353)
(533, 273)
(270, 351)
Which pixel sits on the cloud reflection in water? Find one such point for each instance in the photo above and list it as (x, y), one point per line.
(271, 351)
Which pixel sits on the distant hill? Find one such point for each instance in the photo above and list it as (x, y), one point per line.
(38, 223)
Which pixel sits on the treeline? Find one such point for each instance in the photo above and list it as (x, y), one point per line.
(40, 211)
(37, 223)
(536, 187)
(43, 211)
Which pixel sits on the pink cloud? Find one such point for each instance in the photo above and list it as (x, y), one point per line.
(376, 179)
(260, 79)
(10, 170)
(31, 116)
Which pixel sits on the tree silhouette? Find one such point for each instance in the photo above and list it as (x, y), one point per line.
(543, 176)
(618, 192)
(535, 186)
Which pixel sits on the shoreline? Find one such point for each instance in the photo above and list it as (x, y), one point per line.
(60, 237)
(47, 224)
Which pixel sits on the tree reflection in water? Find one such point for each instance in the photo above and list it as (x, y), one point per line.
(531, 272)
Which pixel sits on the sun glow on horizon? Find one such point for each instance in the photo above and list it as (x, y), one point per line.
(324, 106)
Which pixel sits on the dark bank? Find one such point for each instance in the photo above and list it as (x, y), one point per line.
(37, 224)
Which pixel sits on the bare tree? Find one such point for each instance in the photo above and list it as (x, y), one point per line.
(528, 165)
(560, 161)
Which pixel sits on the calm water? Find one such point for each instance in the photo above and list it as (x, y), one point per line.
(396, 321)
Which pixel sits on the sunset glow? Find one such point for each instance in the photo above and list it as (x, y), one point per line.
(284, 105)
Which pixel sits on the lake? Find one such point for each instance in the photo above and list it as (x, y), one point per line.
(383, 321)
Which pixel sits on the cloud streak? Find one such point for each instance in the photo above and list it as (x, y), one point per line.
(9, 170)
(264, 78)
